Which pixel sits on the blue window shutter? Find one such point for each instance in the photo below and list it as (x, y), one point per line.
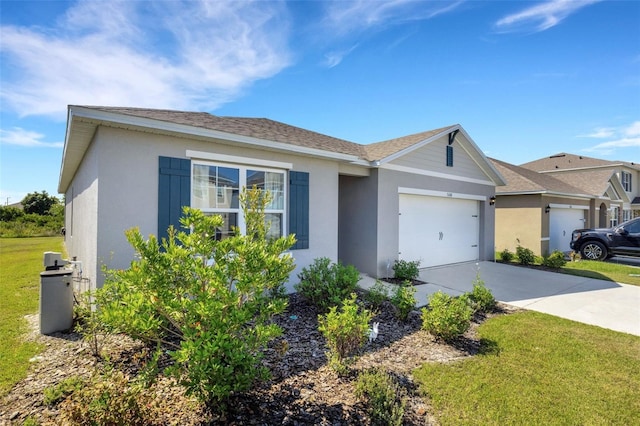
(299, 208)
(449, 156)
(174, 192)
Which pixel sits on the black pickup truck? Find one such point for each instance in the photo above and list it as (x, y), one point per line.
(598, 244)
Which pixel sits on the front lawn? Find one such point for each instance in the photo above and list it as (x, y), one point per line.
(539, 369)
(20, 267)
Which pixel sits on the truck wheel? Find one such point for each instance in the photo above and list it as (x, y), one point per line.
(593, 250)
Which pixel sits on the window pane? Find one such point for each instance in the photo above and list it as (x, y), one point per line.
(230, 221)
(275, 222)
(269, 181)
(201, 187)
(228, 188)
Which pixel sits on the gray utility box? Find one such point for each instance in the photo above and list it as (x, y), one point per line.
(56, 300)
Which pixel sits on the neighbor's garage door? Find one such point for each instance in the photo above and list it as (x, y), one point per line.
(438, 230)
(561, 223)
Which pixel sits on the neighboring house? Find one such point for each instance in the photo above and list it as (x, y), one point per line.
(422, 197)
(615, 181)
(546, 199)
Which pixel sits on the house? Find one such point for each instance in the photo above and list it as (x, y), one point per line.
(423, 197)
(546, 199)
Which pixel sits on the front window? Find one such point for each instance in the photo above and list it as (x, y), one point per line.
(216, 190)
(615, 212)
(625, 177)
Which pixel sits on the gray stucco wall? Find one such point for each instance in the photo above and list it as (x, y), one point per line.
(125, 165)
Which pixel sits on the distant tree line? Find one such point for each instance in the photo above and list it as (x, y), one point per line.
(40, 215)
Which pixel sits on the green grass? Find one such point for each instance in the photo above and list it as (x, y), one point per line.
(604, 270)
(539, 369)
(20, 267)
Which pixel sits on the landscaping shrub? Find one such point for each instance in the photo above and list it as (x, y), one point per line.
(404, 300)
(208, 302)
(109, 399)
(386, 399)
(480, 297)
(377, 294)
(446, 317)
(555, 260)
(506, 255)
(525, 256)
(55, 394)
(346, 329)
(405, 270)
(325, 284)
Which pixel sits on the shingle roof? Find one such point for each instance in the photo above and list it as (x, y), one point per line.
(594, 182)
(380, 150)
(520, 179)
(565, 161)
(261, 128)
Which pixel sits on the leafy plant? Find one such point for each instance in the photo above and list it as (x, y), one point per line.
(346, 330)
(506, 255)
(327, 284)
(446, 317)
(209, 302)
(404, 300)
(406, 270)
(377, 294)
(555, 260)
(55, 394)
(87, 322)
(480, 297)
(385, 397)
(525, 256)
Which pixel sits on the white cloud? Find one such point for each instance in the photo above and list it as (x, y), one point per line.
(183, 55)
(622, 138)
(27, 138)
(600, 132)
(542, 16)
(334, 58)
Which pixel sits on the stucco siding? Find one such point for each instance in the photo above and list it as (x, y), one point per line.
(81, 217)
(126, 164)
(432, 157)
(357, 228)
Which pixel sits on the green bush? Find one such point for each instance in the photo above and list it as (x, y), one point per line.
(377, 294)
(404, 300)
(480, 297)
(209, 302)
(386, 399)
(446, 317)
(346, 329)
(554, 260)
(405, 270)
(506, 255)
(525, 256)
(325, 284)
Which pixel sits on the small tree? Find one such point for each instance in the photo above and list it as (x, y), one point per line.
(39, 202)
(209, 301)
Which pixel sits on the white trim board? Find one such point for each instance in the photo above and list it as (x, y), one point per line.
(422, 172)
(442, 194)
(235, 159)
(568, 206)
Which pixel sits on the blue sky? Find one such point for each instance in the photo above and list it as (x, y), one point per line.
(525, 79)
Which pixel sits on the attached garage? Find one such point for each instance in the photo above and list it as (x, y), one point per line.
(438, 230)
(563, 219)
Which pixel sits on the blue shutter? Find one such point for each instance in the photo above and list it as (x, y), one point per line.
(449, 156)
(174, 192)
(299, 208)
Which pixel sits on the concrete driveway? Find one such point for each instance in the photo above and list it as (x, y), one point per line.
(603, 303)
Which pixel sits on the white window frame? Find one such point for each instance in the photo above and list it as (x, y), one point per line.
(626, 180)
(242, 179)
(615, 212)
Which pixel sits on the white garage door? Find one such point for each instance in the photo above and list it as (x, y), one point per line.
(437, 230)
(561, 223)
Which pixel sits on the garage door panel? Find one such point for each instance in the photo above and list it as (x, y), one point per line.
(561, 223)
(438, 230)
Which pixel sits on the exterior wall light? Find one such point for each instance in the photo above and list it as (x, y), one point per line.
(547, 209)
(492, 200)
